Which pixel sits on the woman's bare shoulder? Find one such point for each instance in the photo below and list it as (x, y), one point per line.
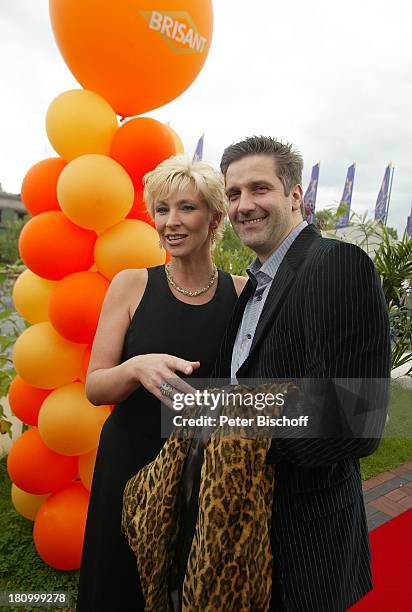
(128, 287)
(129, 277)
(239, 282)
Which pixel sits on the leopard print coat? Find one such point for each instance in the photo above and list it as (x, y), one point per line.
(230, 561)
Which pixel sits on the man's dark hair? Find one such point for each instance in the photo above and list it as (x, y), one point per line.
(288, 161)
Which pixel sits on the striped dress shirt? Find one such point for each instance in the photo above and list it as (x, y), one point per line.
(261, 276)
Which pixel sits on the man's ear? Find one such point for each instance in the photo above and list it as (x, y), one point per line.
(297, 197)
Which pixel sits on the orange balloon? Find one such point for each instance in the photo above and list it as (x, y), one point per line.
(52, 246)
(85, 363)
(129, 244)
(45, 359)
(75, 304)
(38, 191)
(59, 527)
(35, 468)
(139, 210)
(31, 296)
(68, 423)
(140, 145)
(95, 192)
(79, 122)
(86, 468)
(26, 400)
(26, 504)
(137, 54)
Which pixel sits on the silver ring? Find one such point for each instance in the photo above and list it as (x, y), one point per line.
(166, 390)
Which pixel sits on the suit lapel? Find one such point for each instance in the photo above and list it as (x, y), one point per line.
(278, 290)
(224, 361)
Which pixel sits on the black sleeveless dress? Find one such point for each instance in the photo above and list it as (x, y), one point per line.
(131, 436)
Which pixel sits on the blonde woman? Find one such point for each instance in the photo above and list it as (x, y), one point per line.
(155, 324)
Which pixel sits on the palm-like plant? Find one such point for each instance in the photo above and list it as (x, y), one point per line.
(393, 261)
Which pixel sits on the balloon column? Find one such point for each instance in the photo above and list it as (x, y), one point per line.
(88, 223)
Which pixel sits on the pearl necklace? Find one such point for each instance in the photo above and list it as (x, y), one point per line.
(187, 291)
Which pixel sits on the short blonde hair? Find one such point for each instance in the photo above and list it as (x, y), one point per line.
(178, 172)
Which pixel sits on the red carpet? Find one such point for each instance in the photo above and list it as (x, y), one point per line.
(391, 546)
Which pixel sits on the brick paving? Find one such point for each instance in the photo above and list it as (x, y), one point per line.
(388, 495)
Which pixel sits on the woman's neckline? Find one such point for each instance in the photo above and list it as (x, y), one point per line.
(188, 303)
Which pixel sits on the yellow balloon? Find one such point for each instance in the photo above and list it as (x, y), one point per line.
(26, 504)
(95, 192)
(68, 423)
(86, 468)
(80, 122)
(129, 244)
(31, 296)
(178, 141)
(44, 359)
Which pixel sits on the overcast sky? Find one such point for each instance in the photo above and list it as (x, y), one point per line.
(332, 77)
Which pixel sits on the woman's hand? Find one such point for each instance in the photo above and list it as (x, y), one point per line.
(156, 368)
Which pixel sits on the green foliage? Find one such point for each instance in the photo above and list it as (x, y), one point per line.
(20, 566)
(10, 329)
(393, 233)
(230, 254)
(9, 237)
(393, 261)
(326, 219)
(401, 329)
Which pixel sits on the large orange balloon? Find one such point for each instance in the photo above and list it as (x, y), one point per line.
(140, 145)
(139, 210)
(75, 304)
(31, 296)
(86, 468)
(38, 191)
(26, 504)
(80, 122)
(95, 192)
(129, 244)
(35, 468)
(137, 54)
(45, 359)
(52, 246)
(59, 527)
(68, 423)
(26, 400)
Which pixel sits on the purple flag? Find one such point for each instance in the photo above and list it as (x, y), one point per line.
(381, 207)
(198, 154)
(310, 196)
(409, 225)
(344, 206)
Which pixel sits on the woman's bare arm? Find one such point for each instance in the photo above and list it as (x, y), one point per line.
(109, 381)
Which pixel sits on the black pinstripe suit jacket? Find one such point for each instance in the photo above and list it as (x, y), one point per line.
(325, 317)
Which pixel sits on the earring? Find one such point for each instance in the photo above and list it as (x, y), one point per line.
(213, 235)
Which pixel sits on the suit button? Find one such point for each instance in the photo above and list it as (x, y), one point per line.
(248, 336)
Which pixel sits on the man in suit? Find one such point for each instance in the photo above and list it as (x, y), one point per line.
(312, 310)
